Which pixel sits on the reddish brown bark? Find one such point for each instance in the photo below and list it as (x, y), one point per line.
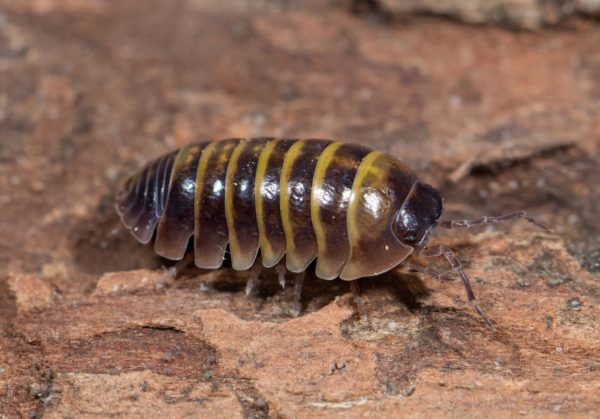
(498, 120)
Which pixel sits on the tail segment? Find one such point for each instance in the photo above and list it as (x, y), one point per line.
(142, 198)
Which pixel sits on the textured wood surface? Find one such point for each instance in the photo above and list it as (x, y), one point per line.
(91, 323)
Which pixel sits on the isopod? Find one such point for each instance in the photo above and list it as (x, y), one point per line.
(359, 212)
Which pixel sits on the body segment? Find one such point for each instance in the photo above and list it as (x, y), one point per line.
(296, 187)
(240, 203)
(211, 234)
(332, 193)
(378, 193)
(176, 225)
(268, 196)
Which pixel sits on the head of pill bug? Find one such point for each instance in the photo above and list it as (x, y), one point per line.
(418, 215)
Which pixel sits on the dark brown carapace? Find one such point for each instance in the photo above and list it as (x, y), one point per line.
(357, 211)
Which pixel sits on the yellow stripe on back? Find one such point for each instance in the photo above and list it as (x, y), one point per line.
(200, 181)
(181, 161)
(261, 170)
(232, 167)
(286, 172)
(365, 169)
(317, 191)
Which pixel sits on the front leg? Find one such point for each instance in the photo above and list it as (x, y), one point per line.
(456, 266)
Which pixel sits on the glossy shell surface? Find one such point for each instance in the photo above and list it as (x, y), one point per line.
(287, 199)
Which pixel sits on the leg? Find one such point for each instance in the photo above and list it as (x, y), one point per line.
(298, 283)
(253, 278)
(454, 263)
(176, 269)
(358, 300)
(491, 220)
(428, 270)
(281, 271)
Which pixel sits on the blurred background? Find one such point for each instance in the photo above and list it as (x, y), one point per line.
(495, 102)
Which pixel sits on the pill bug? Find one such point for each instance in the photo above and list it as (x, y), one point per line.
(359, 212)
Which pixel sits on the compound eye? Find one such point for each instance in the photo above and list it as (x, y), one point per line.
(410, 238)
(405, 228)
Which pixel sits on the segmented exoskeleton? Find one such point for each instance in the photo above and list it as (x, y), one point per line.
(357, 211)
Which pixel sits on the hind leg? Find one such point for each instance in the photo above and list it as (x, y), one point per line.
(281, 271)
(298, 284)
(180, 266)
(358, 300)
(253, 276)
